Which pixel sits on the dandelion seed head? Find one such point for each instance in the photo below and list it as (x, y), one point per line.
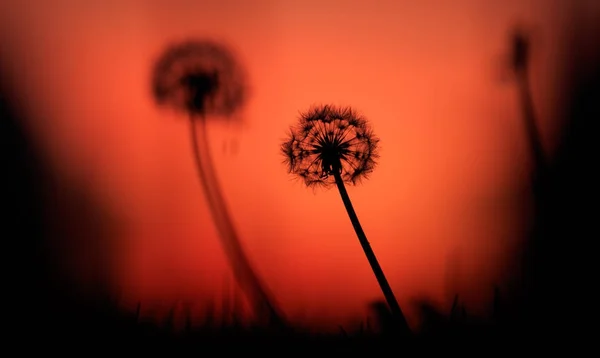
(330, 140)
(199, 77)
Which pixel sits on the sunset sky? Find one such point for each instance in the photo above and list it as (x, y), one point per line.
(443, 209)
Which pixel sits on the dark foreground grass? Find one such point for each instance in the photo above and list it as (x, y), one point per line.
(103, 328)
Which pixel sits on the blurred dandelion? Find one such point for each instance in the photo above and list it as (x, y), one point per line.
(332, 146)
(202, 78)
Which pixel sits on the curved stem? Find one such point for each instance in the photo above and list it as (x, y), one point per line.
(362, 238)
(531, 128)
(242, 269)
(540, 164)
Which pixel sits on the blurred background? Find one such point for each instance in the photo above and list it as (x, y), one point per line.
(101, 185)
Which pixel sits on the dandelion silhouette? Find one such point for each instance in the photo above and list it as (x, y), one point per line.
(201, 79)
(332, 146)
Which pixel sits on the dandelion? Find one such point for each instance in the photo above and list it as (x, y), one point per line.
(335, 146)
(202, 79)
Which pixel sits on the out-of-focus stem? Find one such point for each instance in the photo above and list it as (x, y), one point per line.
(531, 128)
(243, 272)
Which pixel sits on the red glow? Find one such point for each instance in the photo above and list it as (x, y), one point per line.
(441, 209)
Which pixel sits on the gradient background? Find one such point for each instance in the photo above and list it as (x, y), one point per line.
(444, 210)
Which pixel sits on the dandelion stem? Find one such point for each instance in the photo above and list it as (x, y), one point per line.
(242, 269)
(362, 238)
(520, 66)
(531, 128)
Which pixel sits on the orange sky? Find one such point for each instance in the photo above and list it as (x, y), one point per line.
(441, 209)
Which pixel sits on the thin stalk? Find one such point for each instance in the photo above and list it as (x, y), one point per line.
(531, 128)
(362, 238)
(243, 272)
(540, 163)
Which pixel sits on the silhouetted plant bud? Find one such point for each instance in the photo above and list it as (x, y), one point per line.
(520, 48)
